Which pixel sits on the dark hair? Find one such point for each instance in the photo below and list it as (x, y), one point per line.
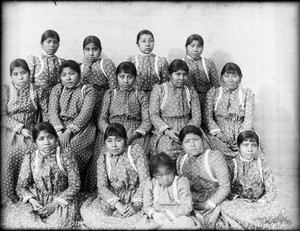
(247, 134)
(115, 129)
(161, 159)
(70, 63)
(232, 67)
(50, 34)
(193, 37)
(176, 65)
(92, 39)
(43, 126)
(189, 129)
(126, 67)
(141, 33)
(18, 63)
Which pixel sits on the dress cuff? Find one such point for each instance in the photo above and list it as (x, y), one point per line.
(138, 199)
(163, 128)
(58, 128)
(113, 201)
(61, 202)
(143, 133)
(215, 131)
(151, 211)
(74, 129)
(18, 128)
(27, 198)
(211, 203)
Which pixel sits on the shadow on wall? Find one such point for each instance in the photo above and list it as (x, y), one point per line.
(175, 53)
(220, 58)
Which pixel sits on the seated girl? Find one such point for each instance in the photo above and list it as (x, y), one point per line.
(48, 185)
(122, 173)
(253, 191)
(167, 197)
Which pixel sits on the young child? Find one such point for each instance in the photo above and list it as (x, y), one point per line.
(20, 103)
(97, 71)
(151, 69)
(48, 184)
(44, 67)
(71, 106)
(253, 190)
(167, 197)
(122, 173)
(203, 73)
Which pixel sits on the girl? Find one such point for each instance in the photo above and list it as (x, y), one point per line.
(70, 111)
(44, 67)
(208, 174)
(167, 197)
(203, 73)
(228, 110)
(48, 184)
(20, 103)
(122, 173)
(97, 71)
(173, 105)
(151, 69)
(253, 190)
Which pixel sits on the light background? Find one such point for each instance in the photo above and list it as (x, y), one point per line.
(262, 38)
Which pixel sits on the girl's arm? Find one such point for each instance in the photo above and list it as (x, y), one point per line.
(54, 108)
(103, 117)
(110, 70)
(145, 126)
(164, 70)
(213, 74)
(148, 198)
(195, 108)
(249, 111)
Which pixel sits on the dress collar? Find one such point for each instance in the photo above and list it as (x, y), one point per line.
(245, 160)
(190, 58)
(47, 55)
(145, 55)
(45, 154)
(18, 88)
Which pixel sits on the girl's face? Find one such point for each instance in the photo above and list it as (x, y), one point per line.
(231, 80)
(69, 77)
(194, 49)
(179, 78)
(115, 145)
(20, 77)
(46, 142)
(50, 46)
(91, 52)
(192, 144)
(164, 175)
(125, 80)
(248, 149)
(146, 43)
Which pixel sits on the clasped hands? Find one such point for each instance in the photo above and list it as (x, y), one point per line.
(129, 209)
(43, 211)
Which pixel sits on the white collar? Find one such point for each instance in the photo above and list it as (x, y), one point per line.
(243, 159)
(142, 54)
(20, 87)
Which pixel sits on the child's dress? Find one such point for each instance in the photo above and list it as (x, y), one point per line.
(175, 200)
(45, 178)
(44, 72)
(72, 108)
(19, 110)
(253, 182)
(120, 178)
(203, 75)
(151, 70)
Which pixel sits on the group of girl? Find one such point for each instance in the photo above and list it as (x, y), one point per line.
(145, 145)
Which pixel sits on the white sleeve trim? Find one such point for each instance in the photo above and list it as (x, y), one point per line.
(163, 128)
(143, 133)
(27, 198)
(215, 131)
(138, 199)
(113, 200)
(61, 201)
(58, 128)
(18, 127)
(151, 211)
(211, 203)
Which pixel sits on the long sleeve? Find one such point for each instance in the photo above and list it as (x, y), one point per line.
(209, 111)
(249, 111)
(154, 109)
(164, 70)
(219, 167)
(103, 118)
(195, 108)
(269, 182)
(148, 198)
(145, 126)
(213, 74)
(110, 70)
(54, 108)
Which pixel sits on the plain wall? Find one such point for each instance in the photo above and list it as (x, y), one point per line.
(262, 38)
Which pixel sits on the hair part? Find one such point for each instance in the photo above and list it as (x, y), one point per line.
(141, 33)
(231, 67)
(71, 64)
(177, 65)
(189, 129)
(247, 134)
(50, 34)
(92, 39)
(18, 63)
(193, 37)
(161, 159)
(43, 126)
(127, 67)
(115, 129)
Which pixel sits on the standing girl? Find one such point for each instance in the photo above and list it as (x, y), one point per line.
(44, 67)
(20, 102)
(203, 73)
(70, 112)
(48, 184)
(122, 173)
(151, 69)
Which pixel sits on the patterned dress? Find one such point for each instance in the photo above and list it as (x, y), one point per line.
(45, 178)
(173, 108)
(19, 110)
(229, 111)
(253, 181)
(44, 72)
(175, 200)
(203, 75)
(120, 178)
(151, 69)
(209, 179)
(72, 108)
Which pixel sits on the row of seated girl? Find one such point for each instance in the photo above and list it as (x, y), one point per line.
(202, 191)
